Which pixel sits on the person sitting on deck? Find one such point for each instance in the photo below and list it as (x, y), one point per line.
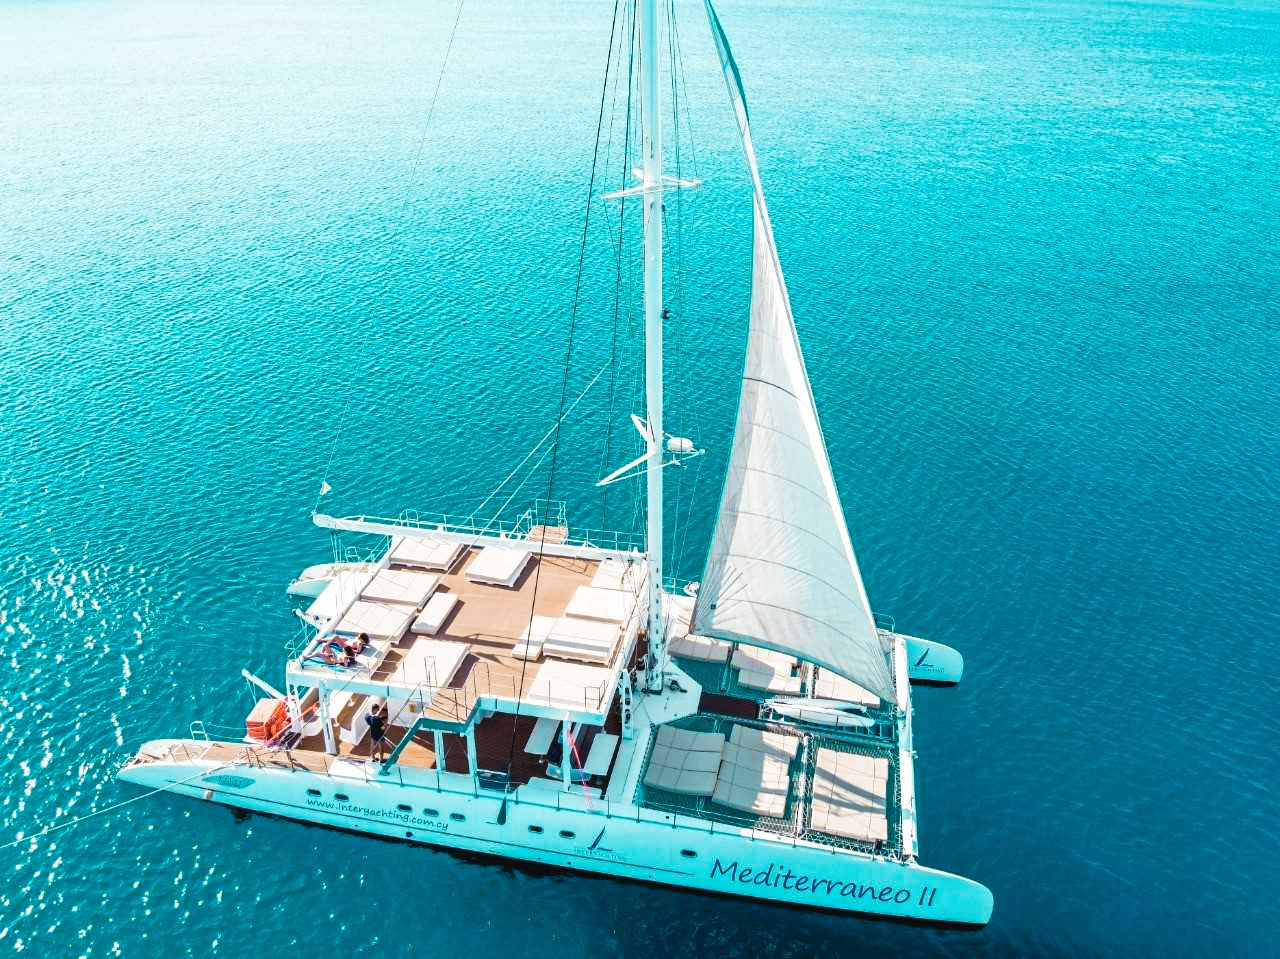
(329, 650)
(377, 720)
(352, 648)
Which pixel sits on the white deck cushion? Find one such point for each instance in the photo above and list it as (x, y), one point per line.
(432, 662)
(435, 614)
(755, 776)
(700, 648)
(831, 685)
(619, 574)
(498, 565)
(386, 621)
(606, 605)
(758, 658)
(426, 553)
(408, 586)
(584, 640)
(540, 739)
(684, 762)
(533, 638)
(850, 793)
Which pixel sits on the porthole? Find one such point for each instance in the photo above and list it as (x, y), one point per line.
(688, 854)
(567, 833)
(457, 817)
(433, 813)
(313, 792)
(404, 807)
(341, 797)
(535, 829)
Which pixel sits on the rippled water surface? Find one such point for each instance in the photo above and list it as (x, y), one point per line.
(1032, 255)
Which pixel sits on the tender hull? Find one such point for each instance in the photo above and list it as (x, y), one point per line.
(569, 831)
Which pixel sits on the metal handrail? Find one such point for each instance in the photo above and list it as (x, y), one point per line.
(472, 525)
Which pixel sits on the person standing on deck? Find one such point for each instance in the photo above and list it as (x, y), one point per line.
(377, 720)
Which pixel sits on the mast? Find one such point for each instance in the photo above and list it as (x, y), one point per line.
(651, 120)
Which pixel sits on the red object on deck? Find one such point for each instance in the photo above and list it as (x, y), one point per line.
(267, 720)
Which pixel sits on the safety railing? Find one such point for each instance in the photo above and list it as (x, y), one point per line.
(469, 524)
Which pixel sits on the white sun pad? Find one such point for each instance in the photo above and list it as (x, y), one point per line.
(585, 640)
(782, 683)
(755, 776)
(619, 574)
(850, 795)
(760, 659)
(571, 685)
(701, 648)
(600, 756)
(432, 662)
(684, 762)
(831, 685)
(426, 553)
(606, 605)
(498, 565)
(433, 616)
(408, 586)
(544, 732)
(386, 621)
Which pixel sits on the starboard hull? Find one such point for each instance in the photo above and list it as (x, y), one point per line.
(929, 662)
(608, 838)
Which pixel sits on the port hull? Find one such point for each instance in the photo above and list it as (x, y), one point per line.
(563, 831)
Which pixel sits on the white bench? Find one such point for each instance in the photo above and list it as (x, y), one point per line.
(544, 731)
(600, 757)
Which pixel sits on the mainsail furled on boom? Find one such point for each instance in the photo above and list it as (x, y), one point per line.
(781, 571)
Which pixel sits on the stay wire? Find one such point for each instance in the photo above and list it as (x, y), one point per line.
(435, 96)
(112, 808)
(618, 275)
(417, 162)
(568, 366)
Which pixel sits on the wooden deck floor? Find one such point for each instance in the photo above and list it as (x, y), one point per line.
(491, 620)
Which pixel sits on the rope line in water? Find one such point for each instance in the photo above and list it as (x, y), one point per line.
(112, 808)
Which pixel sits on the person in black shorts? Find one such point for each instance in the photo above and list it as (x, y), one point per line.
(377, 720)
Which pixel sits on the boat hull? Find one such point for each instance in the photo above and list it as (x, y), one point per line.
(930, 662)
(571, 831)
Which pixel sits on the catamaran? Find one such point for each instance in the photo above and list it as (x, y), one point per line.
(550, 695)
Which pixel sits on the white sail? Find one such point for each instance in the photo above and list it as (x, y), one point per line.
(781, 571)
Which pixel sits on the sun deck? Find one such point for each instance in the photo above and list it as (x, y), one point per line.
(473, 646)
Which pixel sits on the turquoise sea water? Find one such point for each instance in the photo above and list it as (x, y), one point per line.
(1032, 255)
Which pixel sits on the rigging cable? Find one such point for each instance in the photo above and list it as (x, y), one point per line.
(324, 487)
(431, 108)
(607, 461)
(564, 392)
(112, 808)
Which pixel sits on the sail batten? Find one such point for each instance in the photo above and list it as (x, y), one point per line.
(781, 572)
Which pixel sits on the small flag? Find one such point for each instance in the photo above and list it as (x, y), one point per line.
(325, 488)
